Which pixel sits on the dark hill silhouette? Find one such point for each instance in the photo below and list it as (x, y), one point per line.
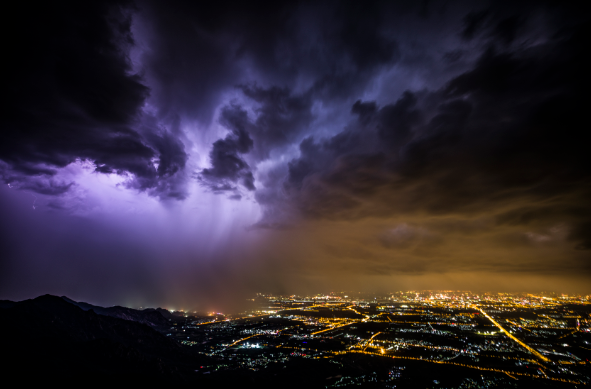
(49, 338)
(158, 318)
(164, 312)
(6, 303)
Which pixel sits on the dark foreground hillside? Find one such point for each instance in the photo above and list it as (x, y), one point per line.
(49, 338)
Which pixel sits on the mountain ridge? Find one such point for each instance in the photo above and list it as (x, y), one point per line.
(62, 341)
(154, 317)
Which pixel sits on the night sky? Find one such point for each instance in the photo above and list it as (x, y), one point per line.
(187, 154)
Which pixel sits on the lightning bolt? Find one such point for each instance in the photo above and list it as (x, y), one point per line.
(34, 201)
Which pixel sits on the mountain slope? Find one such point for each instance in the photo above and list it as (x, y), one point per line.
(155, 318)
(60, 341)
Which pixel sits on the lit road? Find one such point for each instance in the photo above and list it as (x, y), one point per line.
(370, 339)
(536, 353)
(346, 324)
(366, 342)
(242, 340)
(367, 317)
(518, 325)
(333, 328)
(568, 333)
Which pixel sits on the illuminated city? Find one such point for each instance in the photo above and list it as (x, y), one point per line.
(503, 337)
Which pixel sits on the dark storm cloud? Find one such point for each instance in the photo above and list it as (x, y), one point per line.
(281, 116)
(355, 47)
(228, 167)
(198, 51)
(47, 188)
(504, 133)
(396, 121)
(501, 22)
(71, 96)
(189, 59)
(473, 23)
